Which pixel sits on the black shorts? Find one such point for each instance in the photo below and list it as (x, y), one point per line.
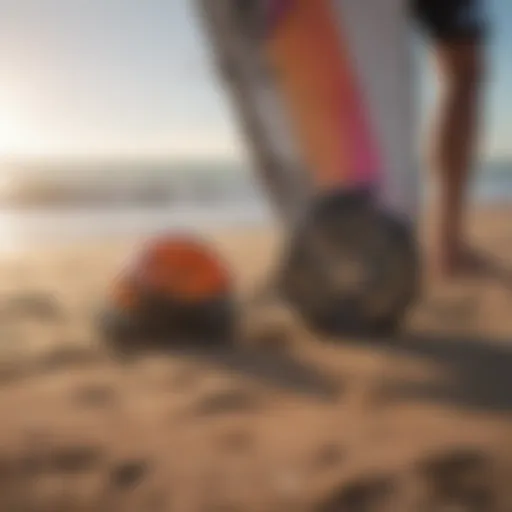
(451, 20)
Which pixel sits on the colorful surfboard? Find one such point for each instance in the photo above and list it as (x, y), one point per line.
(324, 87)
(324, 93)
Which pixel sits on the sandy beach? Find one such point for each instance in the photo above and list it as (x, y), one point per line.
(289, 421)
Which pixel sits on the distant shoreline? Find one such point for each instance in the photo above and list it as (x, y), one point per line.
(161, 184)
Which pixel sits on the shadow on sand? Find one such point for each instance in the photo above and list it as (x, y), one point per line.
(280, 370)
(480, 369)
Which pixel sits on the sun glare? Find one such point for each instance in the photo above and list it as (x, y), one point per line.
(11, 135)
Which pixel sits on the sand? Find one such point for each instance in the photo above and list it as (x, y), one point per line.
(289, 421)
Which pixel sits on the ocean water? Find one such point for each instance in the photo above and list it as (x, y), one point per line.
(24, 229)
(194, 198)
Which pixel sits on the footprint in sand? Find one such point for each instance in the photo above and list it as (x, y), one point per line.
(72, 459)
(128, 474)
(226, 402)
(41, 306)
(11, 372)
(94, 395)
(75, 459)
(460, 479)
(367, 494)
(66, 356)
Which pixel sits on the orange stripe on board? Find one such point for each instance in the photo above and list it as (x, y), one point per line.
(320, 93)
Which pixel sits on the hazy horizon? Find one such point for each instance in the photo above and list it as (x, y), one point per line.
(59, 161)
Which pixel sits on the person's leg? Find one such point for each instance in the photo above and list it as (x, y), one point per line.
(456, 29)
(453, 146)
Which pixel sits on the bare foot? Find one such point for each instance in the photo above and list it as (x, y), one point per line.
(461, 262)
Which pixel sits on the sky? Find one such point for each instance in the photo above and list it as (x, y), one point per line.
(132, 78)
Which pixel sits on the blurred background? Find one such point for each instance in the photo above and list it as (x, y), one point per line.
(114, 127)
(112, 122)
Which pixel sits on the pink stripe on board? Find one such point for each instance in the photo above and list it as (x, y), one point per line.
(366, 163)
(321, 89)
(365, 159)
